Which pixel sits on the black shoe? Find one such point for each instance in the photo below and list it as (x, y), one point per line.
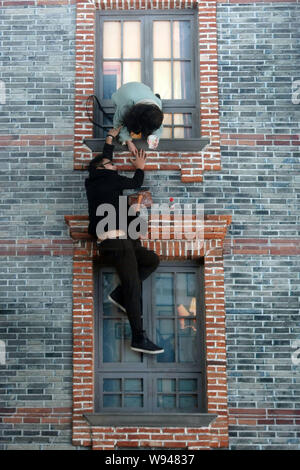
(116, 298)
(144, 345)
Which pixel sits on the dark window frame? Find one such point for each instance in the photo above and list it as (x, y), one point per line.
(196, 142)
(176, 370)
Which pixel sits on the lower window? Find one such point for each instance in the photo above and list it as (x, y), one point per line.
(173, 317)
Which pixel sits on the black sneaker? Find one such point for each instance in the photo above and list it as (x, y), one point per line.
(144, 345)
(116, 297)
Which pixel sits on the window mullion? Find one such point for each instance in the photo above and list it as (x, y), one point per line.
(148, 51)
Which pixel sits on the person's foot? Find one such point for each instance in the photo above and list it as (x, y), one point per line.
(116, 297)
(144, 345)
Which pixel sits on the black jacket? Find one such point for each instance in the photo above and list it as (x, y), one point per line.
(105, 186)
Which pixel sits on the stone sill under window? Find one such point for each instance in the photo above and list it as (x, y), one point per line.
(165, 145)
(151, 419)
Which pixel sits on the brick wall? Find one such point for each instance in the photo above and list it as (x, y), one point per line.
(257, 184)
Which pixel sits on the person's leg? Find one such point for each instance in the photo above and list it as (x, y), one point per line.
(121, 255)
(147, 260)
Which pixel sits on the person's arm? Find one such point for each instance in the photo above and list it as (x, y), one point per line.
(124, 135)
(138, 177)
(108, 147)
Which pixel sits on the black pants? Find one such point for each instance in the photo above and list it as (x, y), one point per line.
(134, 264)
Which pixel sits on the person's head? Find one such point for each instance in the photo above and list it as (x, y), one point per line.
(101, 162)
(143, 118)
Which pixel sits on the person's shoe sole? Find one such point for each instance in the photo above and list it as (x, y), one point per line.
(116, 303)
(147, 352)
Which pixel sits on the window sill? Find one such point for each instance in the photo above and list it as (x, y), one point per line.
(165, 145)
(151, 419)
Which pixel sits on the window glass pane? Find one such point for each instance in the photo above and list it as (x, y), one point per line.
(162, 80)
(187, 344)
(133, 401)
(162, 39)
(164, 293)
(166, 401)
(131, 72)
(166, 385)
(179, 133)
(129, 355)
(188, 401)
(111, 401)
(167, 133)
(166, 339)
(187, 385)
(182, 80)
(184, 119)
(111, 385)
(111, 78)
(133, 385)
(167, 120)
(181, 39)
(111, 341)
(186, 294)
(182, 132)
(109, 282)
(112, 40)
(132, 40)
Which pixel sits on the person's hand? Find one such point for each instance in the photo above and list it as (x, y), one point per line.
(114, 132)
(140, 160)
(132, 148)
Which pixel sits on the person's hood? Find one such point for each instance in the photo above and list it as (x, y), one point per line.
(95, 174)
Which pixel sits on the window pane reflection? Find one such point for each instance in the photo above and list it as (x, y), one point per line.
(132, 40)
(164, 291)
(133, 401)
(188, 401)
(112, 40)
(162, 80)
(166, 401)
(187, 344)
(182, 80)
(111, 341)
(131, 72)
(111, 78)
(166, 339)
(181, 39)
(111, 401)
(111, 385)
(162, 39)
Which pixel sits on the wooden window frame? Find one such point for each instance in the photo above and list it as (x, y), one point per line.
(194, 143)
(149, 369)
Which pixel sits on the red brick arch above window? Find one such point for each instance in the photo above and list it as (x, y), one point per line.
(191, 165)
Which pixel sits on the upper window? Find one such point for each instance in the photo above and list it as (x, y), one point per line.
(174, 381)
(159, 49)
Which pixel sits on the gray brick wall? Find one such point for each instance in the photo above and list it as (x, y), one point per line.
(258, 186)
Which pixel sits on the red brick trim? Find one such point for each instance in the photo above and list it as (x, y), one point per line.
(191, 165)
(260, 139)
(263, 416)
(27, 140)
(216, 435)
(36, 246)
(55, 416)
